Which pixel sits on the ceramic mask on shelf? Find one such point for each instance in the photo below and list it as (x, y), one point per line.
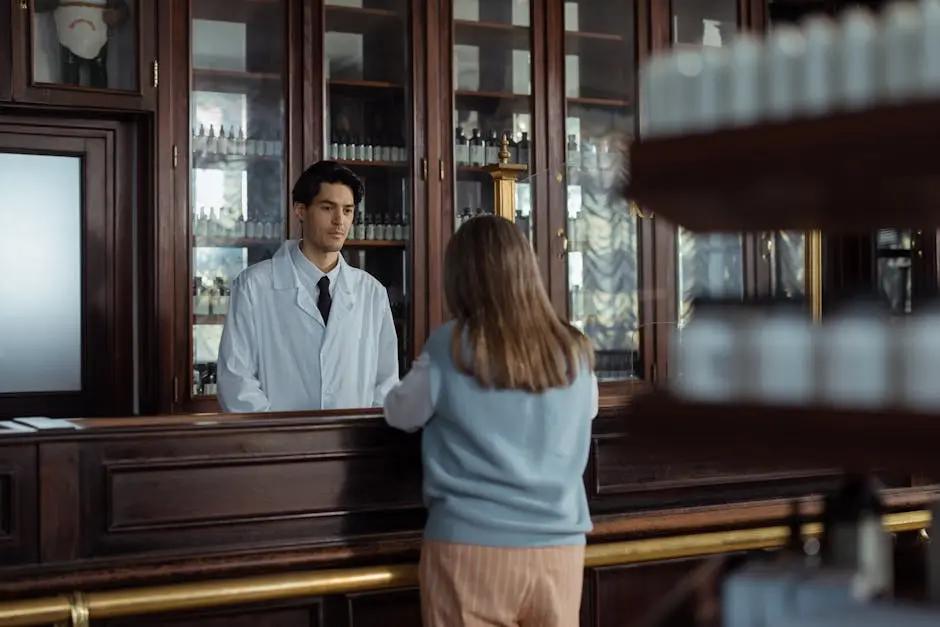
(81, 27)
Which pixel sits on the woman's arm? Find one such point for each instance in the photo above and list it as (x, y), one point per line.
(410, 404)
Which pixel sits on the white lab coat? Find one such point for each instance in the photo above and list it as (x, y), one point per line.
(276, 354)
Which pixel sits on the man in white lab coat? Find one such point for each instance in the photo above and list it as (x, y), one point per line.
(304, 329)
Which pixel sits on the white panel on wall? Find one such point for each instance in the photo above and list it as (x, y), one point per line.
(41, 285)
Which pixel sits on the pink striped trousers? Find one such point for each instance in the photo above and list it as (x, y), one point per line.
(464, 585)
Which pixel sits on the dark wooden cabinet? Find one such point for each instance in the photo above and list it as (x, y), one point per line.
(233, 100)
(395, 89)
(68, 341)
(83, 55)
(19, 505)
(6, 50)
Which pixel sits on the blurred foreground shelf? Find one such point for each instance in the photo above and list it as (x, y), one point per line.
(850, 172)
(791, 437)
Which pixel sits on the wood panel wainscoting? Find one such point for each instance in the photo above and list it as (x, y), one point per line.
(128, 503)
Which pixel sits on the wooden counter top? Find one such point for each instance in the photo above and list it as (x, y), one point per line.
(199, 422)
(152, 498)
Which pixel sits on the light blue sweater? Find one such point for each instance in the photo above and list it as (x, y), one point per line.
(504, 467)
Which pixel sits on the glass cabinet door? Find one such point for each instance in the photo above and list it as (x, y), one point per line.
(237, 185)
(368, 128)
(710, 263)
(894, 253)
(602, 232)
(786, 252)
(492, 82)
(77, 50)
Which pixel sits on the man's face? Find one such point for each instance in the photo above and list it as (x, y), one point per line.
(326, 221)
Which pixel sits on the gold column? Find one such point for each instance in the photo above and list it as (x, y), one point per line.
(504, 182)
(814, 271)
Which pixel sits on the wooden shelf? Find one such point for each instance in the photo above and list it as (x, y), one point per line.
(375, 243)
(614, 103)
(218, 161)
(853, 172)
(243, 11)
(477, 171)
(351, 85)
(353, 163)
(791, 437)
(490, 102)
(594, 44)
(208, 319)
(490, 95)
(599, 37)
(233, 242)
(492, 35)
(231, 81)
(343, 19)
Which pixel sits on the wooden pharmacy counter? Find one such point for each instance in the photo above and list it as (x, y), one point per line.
(129, 503)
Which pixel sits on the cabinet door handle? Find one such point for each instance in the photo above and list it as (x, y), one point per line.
(560, 233)
(24, 4)
(768, 246)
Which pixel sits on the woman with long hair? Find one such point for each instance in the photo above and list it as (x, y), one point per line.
(505, 393)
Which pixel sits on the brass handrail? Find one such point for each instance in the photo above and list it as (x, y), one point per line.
(78, 609)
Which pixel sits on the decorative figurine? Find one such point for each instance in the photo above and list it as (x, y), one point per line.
(83, 29)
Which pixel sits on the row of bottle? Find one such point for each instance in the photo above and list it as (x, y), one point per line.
(229, 222)
(591, 155)
(382, 227)
(856, 62)
(859, 357)
(221, 143)
(211, 295)
(477, 151)
(346, 147)
(466, 214)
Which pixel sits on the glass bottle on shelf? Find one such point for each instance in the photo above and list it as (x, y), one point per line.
(492, 82)
(239, 207)
(712, 263)
(603, 234)
(369, 104)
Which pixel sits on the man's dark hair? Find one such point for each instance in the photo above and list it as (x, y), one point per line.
(308, 185)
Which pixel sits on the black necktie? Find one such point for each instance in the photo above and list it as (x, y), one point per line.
(324, 302)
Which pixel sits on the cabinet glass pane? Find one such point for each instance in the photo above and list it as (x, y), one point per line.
(492, 81)
(788, 264)
(88, 44)
(41, 315)
(368, 70)
(893, 251)
(238, 199)
(707, 264)
(602, 232)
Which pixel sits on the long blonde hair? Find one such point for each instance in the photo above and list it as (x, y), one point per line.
(493, 288)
